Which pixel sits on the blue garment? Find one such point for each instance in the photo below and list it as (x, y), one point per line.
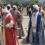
(41, 32)
(0, 18)
(37, 36)
(29, 26)
(36, 39)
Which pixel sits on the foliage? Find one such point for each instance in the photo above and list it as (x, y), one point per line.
(24, 3)
(34, 2)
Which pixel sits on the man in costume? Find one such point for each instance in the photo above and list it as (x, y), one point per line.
(18, 16)
(28, 38)
(43, 13)
(38, 26)
(9, 30)
(19, 22)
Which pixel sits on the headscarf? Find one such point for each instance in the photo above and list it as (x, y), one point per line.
(36, 7)
(9, 5)
(15, 6)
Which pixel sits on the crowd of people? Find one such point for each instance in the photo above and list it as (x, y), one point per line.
(11, 26)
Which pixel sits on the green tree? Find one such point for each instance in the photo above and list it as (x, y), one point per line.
(34, 1)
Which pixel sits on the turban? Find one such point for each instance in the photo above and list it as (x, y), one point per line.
(15, 6)
(36, 7)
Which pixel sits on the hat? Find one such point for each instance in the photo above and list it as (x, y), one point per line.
(15, 6)
(36, 7)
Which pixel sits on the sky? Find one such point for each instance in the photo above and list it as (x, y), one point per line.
(41, 0)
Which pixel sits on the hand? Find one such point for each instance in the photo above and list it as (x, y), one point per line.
(18, 28)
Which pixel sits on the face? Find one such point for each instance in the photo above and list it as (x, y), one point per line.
(34, 10)
(8, 7)
(14, 8)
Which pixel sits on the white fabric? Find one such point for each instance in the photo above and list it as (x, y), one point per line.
(5, 11)
(10, 24)
(5, 8)
(36, 7)
(34, 20)
(9, 5)
(15, 6)
(42, 20)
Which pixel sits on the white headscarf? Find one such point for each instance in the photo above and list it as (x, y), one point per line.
(36, 7)
(9, 5)
(15, 6)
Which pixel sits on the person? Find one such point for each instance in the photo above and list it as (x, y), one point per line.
(0, 24)
(28, 38)
(20, 9)
(27, 9)
(8, 7)
(13, 10)
(4, 6)
(38, 26)
(18, 17)
(9, 29)
(20, 23)
(43, 13)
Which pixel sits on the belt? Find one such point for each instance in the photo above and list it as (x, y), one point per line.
(33, 27)
(11, 28)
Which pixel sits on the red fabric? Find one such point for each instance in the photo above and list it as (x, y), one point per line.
(0, 11)
(10, 34)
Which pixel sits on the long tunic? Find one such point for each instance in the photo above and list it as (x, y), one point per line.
(19, 24)
(29, 35)
(38, 31)
(43, 14)
(18, 16)
(10, 34)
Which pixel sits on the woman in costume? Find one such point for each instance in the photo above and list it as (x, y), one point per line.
(9, 30)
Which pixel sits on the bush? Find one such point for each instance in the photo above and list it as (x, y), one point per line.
(17, 3)
(25, 4)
